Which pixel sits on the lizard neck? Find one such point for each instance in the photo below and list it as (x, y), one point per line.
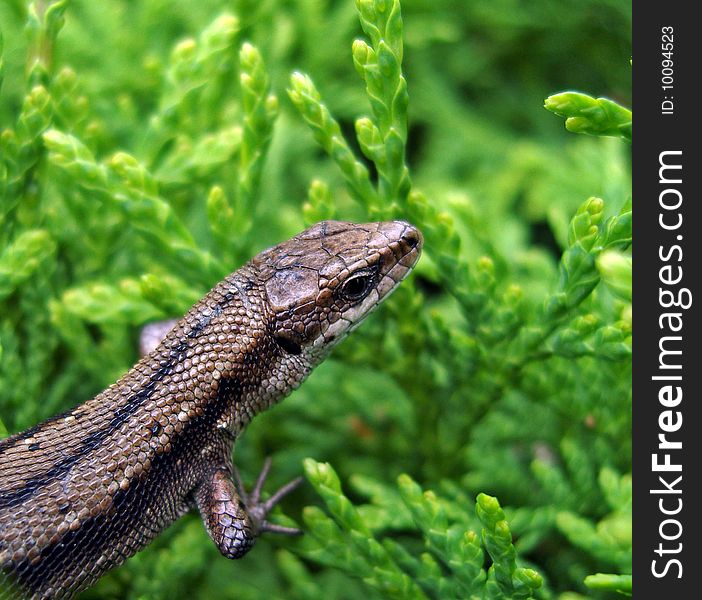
(225, 350)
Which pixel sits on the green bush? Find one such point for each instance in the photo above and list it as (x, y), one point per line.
(148, 149)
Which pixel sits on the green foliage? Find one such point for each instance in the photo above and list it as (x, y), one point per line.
(596, 116)
(453, 565)
(144, 154)
(610, 539)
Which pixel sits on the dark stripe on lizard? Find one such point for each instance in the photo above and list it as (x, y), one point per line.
(31, 486)
(96, 534)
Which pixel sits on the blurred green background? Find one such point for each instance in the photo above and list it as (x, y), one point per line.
(135, 175)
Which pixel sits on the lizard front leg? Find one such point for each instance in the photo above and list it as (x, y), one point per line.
(233, 518)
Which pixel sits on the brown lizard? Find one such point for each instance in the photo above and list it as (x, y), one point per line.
(85, 490)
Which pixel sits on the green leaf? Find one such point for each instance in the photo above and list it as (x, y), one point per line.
(512, 581)
(615, 269)
(595, 116)
(29, 252)
(611, 583)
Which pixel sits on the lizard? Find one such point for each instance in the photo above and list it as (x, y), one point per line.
(85, 490)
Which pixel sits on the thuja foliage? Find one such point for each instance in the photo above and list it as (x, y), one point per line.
(609, 539)
(472, 439)
(596, 116)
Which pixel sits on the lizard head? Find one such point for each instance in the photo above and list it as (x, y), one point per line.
(324, 281)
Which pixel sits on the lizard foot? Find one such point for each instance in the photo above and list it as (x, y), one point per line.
(258, 510)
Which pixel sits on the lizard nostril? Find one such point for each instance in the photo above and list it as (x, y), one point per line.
(412, 237)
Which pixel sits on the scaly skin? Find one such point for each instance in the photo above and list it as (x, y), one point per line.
(85, 490)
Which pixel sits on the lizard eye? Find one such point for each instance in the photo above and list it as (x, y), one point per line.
(357, 287)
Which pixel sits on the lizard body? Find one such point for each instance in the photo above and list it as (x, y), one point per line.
(85, 490)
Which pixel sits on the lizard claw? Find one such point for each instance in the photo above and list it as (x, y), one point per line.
(272, 527)
(255, 495)
(258, 510)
